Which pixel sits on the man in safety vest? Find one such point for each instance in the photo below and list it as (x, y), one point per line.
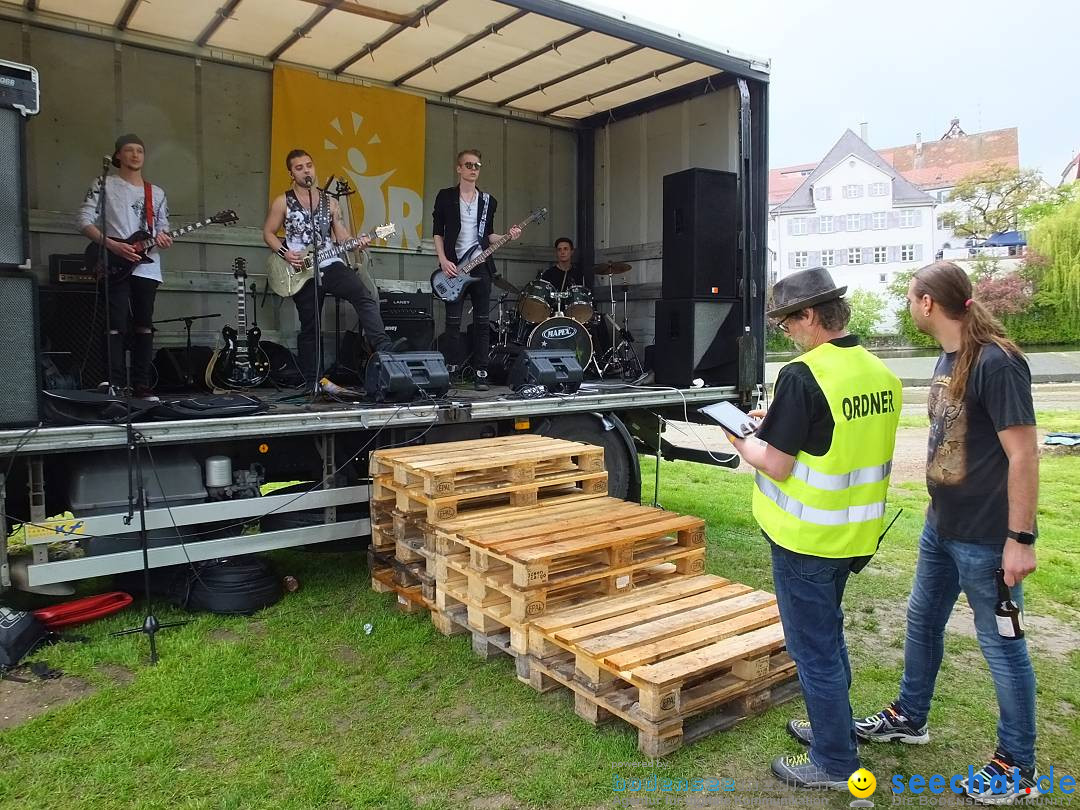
(822, 457)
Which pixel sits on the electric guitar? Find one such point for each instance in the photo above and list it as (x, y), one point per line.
(451, 288)
(118, 268)
(287, 280)
(239, 364)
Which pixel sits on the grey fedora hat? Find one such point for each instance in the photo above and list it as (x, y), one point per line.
(803, 289)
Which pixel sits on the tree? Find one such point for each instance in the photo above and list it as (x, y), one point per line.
(1053, 201)
(992, 200)
(1056, 243)
(867, 310)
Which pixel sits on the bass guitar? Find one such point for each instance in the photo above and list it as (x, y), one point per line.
(118, 268)
(451, 288)
(287, 280)
(239, 364)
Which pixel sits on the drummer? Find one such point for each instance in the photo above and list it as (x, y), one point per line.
(564, 274)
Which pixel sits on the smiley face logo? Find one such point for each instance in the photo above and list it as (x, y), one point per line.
(862, 783)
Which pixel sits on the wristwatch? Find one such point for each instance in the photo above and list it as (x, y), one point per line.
(1024, 538)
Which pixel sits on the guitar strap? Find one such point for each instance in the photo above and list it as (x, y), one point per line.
(482, 224)
(148, 207)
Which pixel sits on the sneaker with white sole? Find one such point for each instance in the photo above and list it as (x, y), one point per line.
(891, 725)
(1007, 790)
(797, 770)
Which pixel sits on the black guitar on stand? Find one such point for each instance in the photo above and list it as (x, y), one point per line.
(239, 364)
(118, 268)
(451, 288)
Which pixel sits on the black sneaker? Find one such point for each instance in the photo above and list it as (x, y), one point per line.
(891, 725)
(482, 380)
(798, 771)
(983, 789)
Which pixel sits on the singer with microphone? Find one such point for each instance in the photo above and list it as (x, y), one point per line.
(127, 203)
(311, 217)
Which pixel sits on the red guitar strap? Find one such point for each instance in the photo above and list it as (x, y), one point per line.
(148, 192)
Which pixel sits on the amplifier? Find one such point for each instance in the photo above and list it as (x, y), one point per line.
(70, 268)
(19, 87)
(405, 303)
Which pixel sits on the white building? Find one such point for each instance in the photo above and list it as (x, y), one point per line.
(857, 216)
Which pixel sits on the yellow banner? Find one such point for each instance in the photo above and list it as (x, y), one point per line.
(372, 137)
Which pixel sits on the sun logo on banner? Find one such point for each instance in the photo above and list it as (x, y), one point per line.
(378, 145)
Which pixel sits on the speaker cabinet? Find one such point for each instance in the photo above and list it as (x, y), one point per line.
(20, 395)
(14, 227)
(557, 370)
(706, 340)
(701, 235)
(73, 332)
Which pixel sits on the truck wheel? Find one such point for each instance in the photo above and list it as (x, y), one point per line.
(607, 431)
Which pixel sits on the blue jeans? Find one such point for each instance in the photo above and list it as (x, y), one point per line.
(944, 569)
(808, 592)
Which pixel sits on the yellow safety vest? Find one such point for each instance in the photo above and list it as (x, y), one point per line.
(834, 505)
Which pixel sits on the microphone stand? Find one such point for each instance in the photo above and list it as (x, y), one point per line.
(102, 272)
(316, 385)
(189, 379)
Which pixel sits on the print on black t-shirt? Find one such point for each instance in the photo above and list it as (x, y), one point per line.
(967, 471)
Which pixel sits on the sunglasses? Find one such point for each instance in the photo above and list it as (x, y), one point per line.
(473, 167)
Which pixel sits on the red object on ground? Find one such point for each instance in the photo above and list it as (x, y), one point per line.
(82, 610)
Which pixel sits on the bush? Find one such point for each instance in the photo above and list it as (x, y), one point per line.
(867, 311)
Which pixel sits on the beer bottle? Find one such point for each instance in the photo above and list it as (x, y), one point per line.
(1010, 621)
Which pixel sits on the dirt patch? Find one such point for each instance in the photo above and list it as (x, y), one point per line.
(20, 702)
(120, 675)
(1045, 634)
(258, 629)
(501, 801)
(347, 655)
(224, 634)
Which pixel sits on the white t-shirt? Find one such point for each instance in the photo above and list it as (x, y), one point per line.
(467, 236)
(124, 215)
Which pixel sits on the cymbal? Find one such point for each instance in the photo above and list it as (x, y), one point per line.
(611, 269)
(503, 284)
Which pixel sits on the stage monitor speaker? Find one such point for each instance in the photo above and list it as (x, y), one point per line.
(557, 370)
(20, 395)
(704, 340)
(701, 228)
(399, 376)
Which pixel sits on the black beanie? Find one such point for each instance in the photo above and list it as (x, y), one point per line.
(123, 141)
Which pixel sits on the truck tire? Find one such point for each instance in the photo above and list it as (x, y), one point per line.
(607, 431)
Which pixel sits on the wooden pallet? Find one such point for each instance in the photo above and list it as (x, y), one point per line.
(665, 639)
(446, 469)
(411, 501)
(410, 598)
(712, 705)
(565, 544)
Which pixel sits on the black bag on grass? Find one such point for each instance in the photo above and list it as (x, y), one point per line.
(20, 632)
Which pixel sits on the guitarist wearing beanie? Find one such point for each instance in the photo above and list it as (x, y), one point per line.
(131, 204)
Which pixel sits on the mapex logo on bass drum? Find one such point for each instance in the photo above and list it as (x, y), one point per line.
(559, 332)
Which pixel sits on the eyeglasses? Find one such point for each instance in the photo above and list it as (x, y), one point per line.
(473, 167)
(781, 324)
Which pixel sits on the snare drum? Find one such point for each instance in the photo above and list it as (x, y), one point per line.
(579, 304)
(537, 300)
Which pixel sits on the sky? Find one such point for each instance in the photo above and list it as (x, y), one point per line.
(902, 67)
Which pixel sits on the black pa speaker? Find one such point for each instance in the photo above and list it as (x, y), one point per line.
(557, 370)
(398, 376)
(20, 395)
(73, 331)
(14, 226)
(701, 230)
(704, 340)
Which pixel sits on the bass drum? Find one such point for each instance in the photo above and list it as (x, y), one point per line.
(563, 333)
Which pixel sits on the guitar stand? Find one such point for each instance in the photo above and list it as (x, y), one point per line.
(189, 380)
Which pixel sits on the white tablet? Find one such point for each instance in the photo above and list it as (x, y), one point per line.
(731, 418)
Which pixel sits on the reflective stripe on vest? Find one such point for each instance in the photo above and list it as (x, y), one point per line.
(835, 483)
(820, 517)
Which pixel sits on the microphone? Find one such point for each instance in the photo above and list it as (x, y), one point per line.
(308, 181)
(106, 162)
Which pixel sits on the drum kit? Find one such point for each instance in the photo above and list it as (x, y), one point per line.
(539, 316)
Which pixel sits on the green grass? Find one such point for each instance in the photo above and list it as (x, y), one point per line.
(297, 707)
(1050, 421)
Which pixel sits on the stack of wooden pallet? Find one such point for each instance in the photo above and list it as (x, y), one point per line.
(514, 541)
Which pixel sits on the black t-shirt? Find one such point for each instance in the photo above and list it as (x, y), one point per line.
(967, 471)
(563, 281)
(799, 419)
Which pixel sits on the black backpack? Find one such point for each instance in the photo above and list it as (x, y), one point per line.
(20, 632)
